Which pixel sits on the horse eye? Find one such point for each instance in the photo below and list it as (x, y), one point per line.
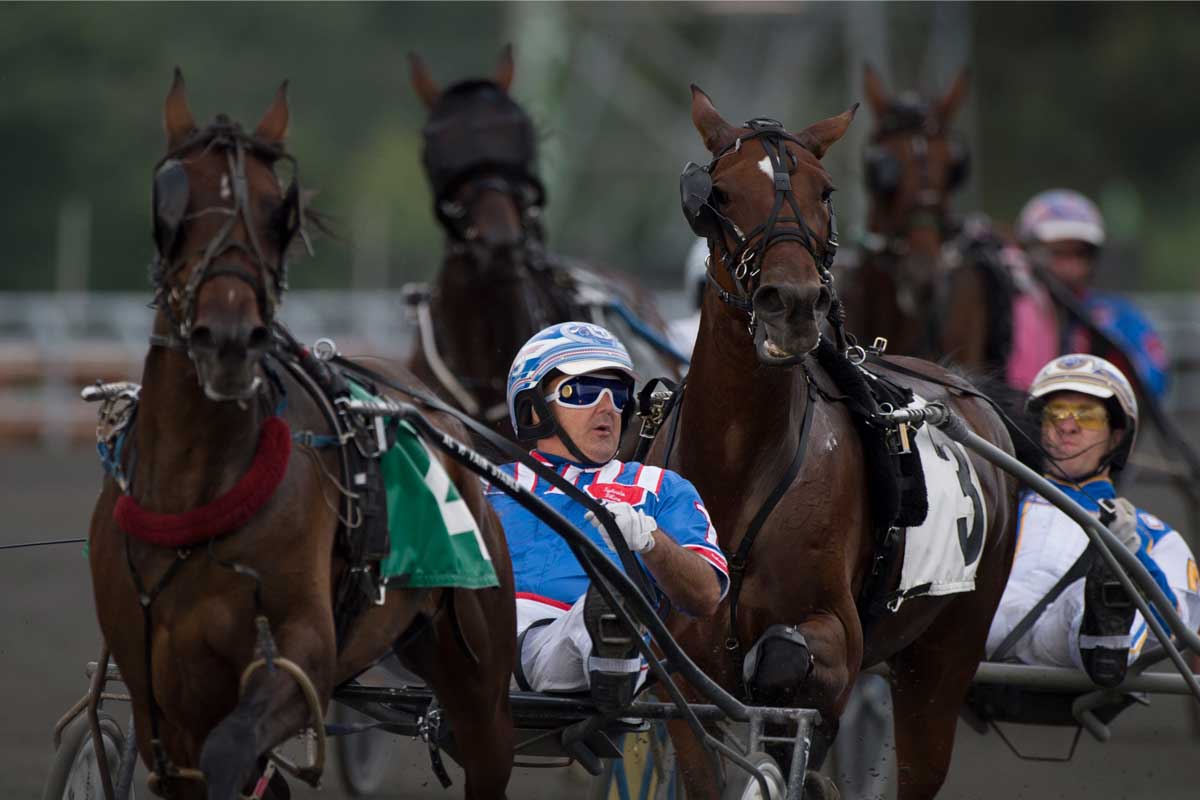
(827, 195)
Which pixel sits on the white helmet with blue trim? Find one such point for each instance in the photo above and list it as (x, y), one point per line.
(572, 348)
(1098, 377)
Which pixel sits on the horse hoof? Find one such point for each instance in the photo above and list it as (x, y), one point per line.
(819, 787)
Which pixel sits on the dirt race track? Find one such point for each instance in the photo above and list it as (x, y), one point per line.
(48, 633)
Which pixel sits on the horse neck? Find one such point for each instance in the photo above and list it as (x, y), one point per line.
(737, 414)
(188, 449)
(500, 313)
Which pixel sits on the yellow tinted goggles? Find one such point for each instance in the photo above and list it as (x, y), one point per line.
(1089, 416)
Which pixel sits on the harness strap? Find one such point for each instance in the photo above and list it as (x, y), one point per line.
(519, 666)
(437, 366)
(737, 564)
(1078, 570)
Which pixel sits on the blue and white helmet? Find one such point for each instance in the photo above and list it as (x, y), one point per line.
(573, 348)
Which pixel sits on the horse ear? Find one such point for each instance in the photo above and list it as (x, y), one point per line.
(820, 136)
(504, 68)
(177, 117)
(274, 124)
(876, 92)
(713, 129)
(948, 106)
(422, 81)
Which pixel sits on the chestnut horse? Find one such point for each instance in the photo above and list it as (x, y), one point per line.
(181, 620)
(498, 284)
(922, 284)
(768, 216)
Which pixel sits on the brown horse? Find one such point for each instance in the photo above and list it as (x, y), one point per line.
(208, 407)
(922, 285)
(498, 284)
(769, 221)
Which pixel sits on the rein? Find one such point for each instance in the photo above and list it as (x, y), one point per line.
(737, 562)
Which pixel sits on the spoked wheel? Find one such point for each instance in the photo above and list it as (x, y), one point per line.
(742, 786)
(75, 773)
(363, 758)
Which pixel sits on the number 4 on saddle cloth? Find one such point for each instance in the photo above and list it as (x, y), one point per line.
(434, 539)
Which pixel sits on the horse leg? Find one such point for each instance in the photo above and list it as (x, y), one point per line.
(468, 669)
(271, 709)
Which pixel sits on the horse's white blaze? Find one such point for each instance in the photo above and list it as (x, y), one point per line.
(830, 443)
(765, 166)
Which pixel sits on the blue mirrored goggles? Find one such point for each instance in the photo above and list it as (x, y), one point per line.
(585, 391)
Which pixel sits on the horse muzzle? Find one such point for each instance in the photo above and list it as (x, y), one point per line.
(788, 322)
(226, 360)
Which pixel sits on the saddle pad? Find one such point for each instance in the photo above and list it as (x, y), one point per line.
(434, 539)
(942, 553)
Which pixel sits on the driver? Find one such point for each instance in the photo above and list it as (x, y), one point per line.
(1089, 421)
(570, 390)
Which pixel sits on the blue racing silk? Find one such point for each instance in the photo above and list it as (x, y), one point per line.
(544, 567)
(1121, 320)
(1150, 528)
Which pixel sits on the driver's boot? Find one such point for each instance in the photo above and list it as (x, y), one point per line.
(1107, 619)
(615, 664)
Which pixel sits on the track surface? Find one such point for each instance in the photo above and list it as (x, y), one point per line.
(48, 633)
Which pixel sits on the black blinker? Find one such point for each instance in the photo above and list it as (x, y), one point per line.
(170, 199)
(695, 191)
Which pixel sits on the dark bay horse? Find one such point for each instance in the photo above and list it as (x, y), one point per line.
(210, 456)
(765, 208)
(498, 284)
(932, 290)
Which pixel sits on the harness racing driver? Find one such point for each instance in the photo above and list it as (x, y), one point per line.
(1089, 420)
(570, 390)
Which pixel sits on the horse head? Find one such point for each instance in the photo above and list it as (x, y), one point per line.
(223, 224)
(913, 164)
(764, 204)
(480, 158)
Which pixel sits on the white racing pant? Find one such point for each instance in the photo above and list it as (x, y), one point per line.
(556, 657)
(1048, 544)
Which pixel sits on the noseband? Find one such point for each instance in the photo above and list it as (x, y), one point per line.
(171, 193)
(743, 262)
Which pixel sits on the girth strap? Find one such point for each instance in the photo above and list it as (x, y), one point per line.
(737, 564)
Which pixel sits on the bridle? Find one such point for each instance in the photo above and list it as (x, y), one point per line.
(743, 261)
(884, 171)
(268, 280)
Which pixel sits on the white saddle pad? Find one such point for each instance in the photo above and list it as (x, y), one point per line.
(942, 554)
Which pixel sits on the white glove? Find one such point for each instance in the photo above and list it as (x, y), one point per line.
(637, 528)
(1124, 526)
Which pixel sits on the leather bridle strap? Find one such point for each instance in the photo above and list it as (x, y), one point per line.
(738, 561)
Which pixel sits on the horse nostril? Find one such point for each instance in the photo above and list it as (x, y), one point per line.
(260, 339)
(769, 301)
(202, 339)
(824, 300)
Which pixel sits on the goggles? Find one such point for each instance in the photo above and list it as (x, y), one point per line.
(1088, 416)
(585, 391)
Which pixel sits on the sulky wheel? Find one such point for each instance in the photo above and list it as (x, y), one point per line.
(742, 786)
(75, 772)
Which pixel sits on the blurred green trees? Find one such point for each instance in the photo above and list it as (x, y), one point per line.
(1089, 96)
